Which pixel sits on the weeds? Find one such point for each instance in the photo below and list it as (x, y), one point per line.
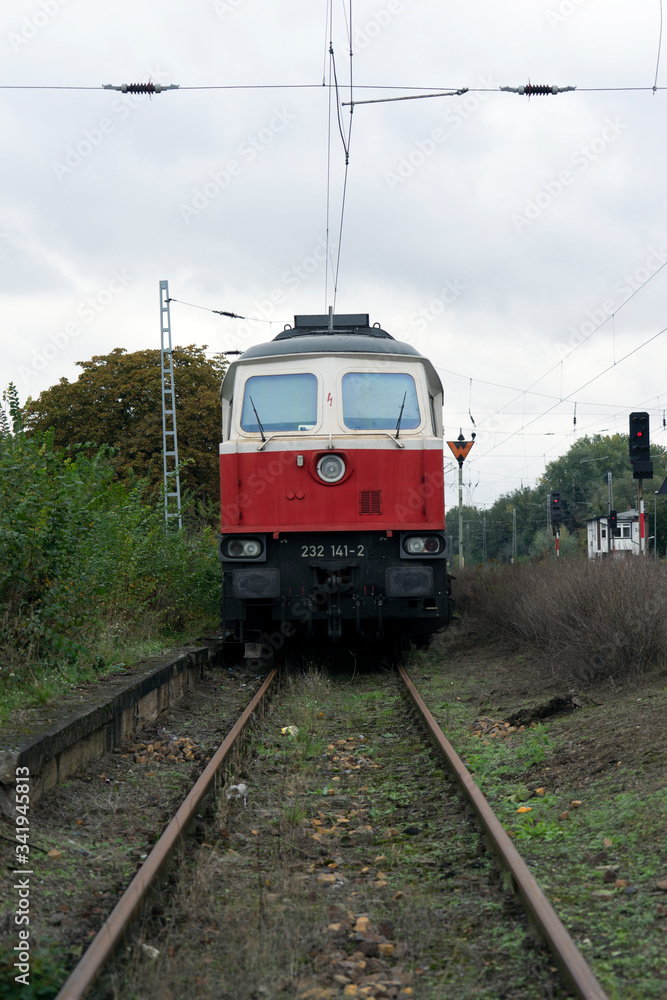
(595, 620)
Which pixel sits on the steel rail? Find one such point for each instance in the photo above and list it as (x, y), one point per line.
(572, 963)
(129, 905)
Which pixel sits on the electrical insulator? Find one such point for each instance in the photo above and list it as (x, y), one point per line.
(536, 89)
(141, 88)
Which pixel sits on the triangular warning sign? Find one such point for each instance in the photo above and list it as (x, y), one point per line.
(460, 449)
(663, 488)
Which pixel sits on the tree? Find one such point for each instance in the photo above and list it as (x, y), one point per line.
(117, 401)
(581, 477)
(543, 545)
(472, 537)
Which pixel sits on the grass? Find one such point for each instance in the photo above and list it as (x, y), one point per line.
(47, 971)
(599, 862)
(39, 685)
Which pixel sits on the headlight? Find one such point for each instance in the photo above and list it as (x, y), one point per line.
(242, 548)
(331, 468)
(414, 545)
(417, 544)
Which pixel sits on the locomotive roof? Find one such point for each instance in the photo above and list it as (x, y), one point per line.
(342, 334)
(318, 335)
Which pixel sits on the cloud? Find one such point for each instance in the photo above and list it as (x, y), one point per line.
(224, 192)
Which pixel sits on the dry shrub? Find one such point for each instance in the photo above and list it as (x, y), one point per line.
(596, 619)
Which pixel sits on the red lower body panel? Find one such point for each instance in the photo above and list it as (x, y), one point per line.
(383, 489)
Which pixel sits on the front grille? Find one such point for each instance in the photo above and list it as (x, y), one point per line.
(370, 501)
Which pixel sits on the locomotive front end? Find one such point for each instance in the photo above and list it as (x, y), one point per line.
(332, 499)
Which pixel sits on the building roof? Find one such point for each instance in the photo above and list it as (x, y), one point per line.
(621, 515)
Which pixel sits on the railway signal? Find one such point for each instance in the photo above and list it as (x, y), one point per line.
(642, 466)
(640, 453)
(460, 449)
(613, 521)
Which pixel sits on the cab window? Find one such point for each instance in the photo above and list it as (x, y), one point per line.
(379, 400)
(280, 403)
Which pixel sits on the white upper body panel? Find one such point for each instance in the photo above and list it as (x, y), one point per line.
(351, 400)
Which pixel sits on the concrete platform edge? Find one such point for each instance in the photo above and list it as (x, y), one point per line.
(55, 750)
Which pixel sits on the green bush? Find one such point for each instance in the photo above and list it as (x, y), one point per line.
(85, 561)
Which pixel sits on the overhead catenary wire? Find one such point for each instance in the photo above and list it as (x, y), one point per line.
(346, 148)
(531, 92)
(566, 434)
(559, 436)
(438, 91)
(329, 262)
(223, 312)
(346, 144)
(405, 97)
(327, 36)
(579, 389)
(582, 342)
(657, 62)
(521, 392)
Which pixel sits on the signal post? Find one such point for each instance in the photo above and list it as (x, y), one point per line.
(611, 531)
(460, 449)
(556, 518)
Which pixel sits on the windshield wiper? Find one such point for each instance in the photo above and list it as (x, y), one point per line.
(259, 422)
(400, 416)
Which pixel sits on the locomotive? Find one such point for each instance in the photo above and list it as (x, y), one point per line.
(332, 491)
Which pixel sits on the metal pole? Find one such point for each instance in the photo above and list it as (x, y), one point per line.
(610, 507)
(460, 514)
(655, 525)
(172, 481)
(513, 534)
(484, 540)
(640, 501)
(548, 513)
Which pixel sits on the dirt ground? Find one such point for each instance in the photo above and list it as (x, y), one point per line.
(352, 870)
(89, 835)
(577, 776)
(618, 729)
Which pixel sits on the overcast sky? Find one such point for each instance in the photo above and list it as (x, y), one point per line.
(494, 232)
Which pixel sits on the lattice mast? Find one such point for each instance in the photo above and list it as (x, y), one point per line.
(172, 482)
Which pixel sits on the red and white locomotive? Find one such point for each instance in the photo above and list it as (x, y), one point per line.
(332, 495)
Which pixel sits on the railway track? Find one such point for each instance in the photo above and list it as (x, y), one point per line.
(345, 864)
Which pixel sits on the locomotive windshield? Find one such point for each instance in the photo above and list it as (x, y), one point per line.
(280, 403)
(379, 401)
